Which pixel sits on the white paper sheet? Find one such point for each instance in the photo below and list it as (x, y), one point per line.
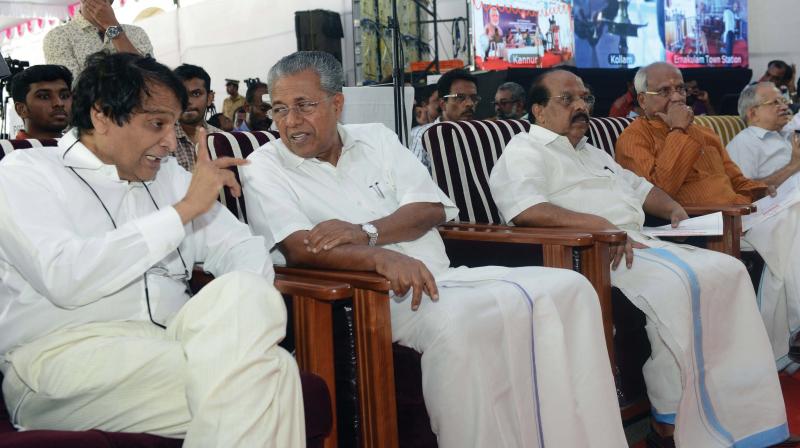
(767, 207)
(705, 225)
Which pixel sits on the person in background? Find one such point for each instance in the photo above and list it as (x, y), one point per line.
(219, 120)
(256, 108)
(458, 99)
(234, 100)
(781, 74)
(698, 99)
(626, 104)
(43, 99)
(197, 83)
(95, 28)
(509, 101)
(240, 120)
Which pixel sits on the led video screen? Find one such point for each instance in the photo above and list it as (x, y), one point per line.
(609, 33)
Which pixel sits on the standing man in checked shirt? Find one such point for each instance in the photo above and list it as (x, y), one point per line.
(94, 29)
(197, 84)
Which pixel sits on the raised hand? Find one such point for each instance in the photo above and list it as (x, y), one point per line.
(405, 273)
(678, 116)
(208, 177)
(99, 13)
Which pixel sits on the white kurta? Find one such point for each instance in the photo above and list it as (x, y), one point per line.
(510, 357)
(711, 370)
(75, 328)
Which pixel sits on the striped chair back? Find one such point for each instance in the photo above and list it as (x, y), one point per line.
(604, 132)
(725, 126)
(9, 145)
(462, 154)
(236, 144)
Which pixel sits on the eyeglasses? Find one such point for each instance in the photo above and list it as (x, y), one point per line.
(279, 113)
(666, 92)
(460, 97)
(567, 99)
(777, 102)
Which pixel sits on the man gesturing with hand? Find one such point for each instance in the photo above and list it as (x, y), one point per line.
(352, 197)
(98, 239)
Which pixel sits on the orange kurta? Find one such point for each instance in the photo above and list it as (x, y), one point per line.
(692, 167)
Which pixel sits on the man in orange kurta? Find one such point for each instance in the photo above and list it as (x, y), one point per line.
(685, 160)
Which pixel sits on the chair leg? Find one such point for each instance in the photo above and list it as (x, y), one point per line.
(313, 323)
(378, 405)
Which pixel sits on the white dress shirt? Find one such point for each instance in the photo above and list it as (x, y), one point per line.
(542, 166)
(759, 152)
(375, 175)
(63, 263)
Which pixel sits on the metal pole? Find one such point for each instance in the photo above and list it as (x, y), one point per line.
(436, 37)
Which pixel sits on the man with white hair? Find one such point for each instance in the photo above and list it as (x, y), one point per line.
(763, 151)
(505, 352)
(690, 164)
(710, 375)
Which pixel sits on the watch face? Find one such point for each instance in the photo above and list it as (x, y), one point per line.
(113, 31)
(369, 228)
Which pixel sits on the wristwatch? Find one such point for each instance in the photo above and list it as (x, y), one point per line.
(371, 231)
(113, 31)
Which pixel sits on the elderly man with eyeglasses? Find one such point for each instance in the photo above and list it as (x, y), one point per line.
(458, 98)
(505, 352)
(690, 164)
(710, 378)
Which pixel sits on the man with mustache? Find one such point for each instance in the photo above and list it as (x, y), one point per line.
(458, 98)
(197, 83)
(710, 375)
(42, 98)
(94, 29)
(690, 164)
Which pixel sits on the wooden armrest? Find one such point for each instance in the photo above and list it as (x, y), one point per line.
(356, 279)
(548, 235)
(507, 234)
(318, 289)
(728, 210)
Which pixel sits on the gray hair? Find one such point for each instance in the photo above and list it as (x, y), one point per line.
(640, 80)
(517, 92)
(331, 74)
(749, 98)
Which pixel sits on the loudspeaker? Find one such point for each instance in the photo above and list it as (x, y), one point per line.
(319, 30)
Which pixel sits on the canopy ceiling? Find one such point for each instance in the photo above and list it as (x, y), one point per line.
(14, 12)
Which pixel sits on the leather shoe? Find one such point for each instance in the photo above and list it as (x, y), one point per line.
(794, 348)
(654, 440)
(792, 442)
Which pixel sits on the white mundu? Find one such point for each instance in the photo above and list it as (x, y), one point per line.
(504, 351)
(711, 371)
(88, 260)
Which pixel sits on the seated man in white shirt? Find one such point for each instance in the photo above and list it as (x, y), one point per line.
(458, 98)
(98, 238)
(504, 351)
(763, 151)
(711, 372)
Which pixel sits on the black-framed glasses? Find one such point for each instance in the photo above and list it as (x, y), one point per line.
(567, 99)
(666, 92)
(460, 97)
(280, 112)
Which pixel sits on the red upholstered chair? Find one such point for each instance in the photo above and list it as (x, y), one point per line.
(318, 410)
(388, 390)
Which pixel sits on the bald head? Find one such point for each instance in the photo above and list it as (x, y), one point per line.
(656, 69)
(659, 86)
